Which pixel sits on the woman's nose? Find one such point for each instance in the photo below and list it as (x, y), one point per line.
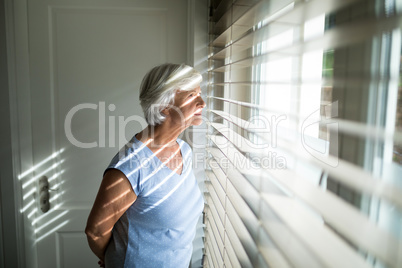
(202, 102)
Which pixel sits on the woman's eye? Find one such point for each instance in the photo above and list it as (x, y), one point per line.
(193, 95)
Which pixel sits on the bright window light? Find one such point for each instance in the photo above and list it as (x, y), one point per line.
(314, 27)
(281, 40)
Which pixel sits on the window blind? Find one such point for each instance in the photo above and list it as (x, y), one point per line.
(304, 143)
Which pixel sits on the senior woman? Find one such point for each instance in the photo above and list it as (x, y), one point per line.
(148, 203)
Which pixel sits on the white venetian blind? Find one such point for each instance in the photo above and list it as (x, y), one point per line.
(304, 149)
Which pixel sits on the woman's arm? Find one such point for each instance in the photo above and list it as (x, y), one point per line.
(114, 197)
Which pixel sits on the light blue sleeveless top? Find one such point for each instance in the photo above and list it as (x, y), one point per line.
(158, 229)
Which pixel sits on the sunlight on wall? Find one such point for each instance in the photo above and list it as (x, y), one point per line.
(52, 231)
(44, 224)
(51, 221)
(33, 212)
(47, 214)
(53, 156)
(25, 208)
(35, 178)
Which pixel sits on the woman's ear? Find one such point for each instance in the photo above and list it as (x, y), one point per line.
(166, 111)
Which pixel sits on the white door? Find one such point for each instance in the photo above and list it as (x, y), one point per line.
(86, 62)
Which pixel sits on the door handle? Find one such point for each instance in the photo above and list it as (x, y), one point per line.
(44, 196)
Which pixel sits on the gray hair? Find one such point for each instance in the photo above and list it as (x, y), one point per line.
(159, 86)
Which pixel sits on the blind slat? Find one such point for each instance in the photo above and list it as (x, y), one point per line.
(291, 247)
(228, 12)
(241, 210)
(332, 251)
(211, 249)
(323, 81)
(212, 224)
(344, 126)
(220, 191)
(270, 252)
(242, 25)
(345, 218)
(344, 172)
(226, 260)
(249, 40)
(242, 232)
(218, 210)
(214, 246)
(209, 253)
(332, 39)
(297, 15)
(306, 211)
(219, 174)
(222, 10)
(270, 255)
(243, 187)
(236, 243)
(230, 255)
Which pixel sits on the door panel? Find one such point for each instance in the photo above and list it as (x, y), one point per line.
(69, 253)
(86, 63)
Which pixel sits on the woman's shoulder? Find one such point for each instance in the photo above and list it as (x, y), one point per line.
(128, 154)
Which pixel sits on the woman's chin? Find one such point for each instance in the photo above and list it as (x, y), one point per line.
(196, 121)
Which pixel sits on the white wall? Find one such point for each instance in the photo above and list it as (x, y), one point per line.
(8, 223)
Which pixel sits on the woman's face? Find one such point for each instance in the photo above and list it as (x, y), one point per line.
(187, 107)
